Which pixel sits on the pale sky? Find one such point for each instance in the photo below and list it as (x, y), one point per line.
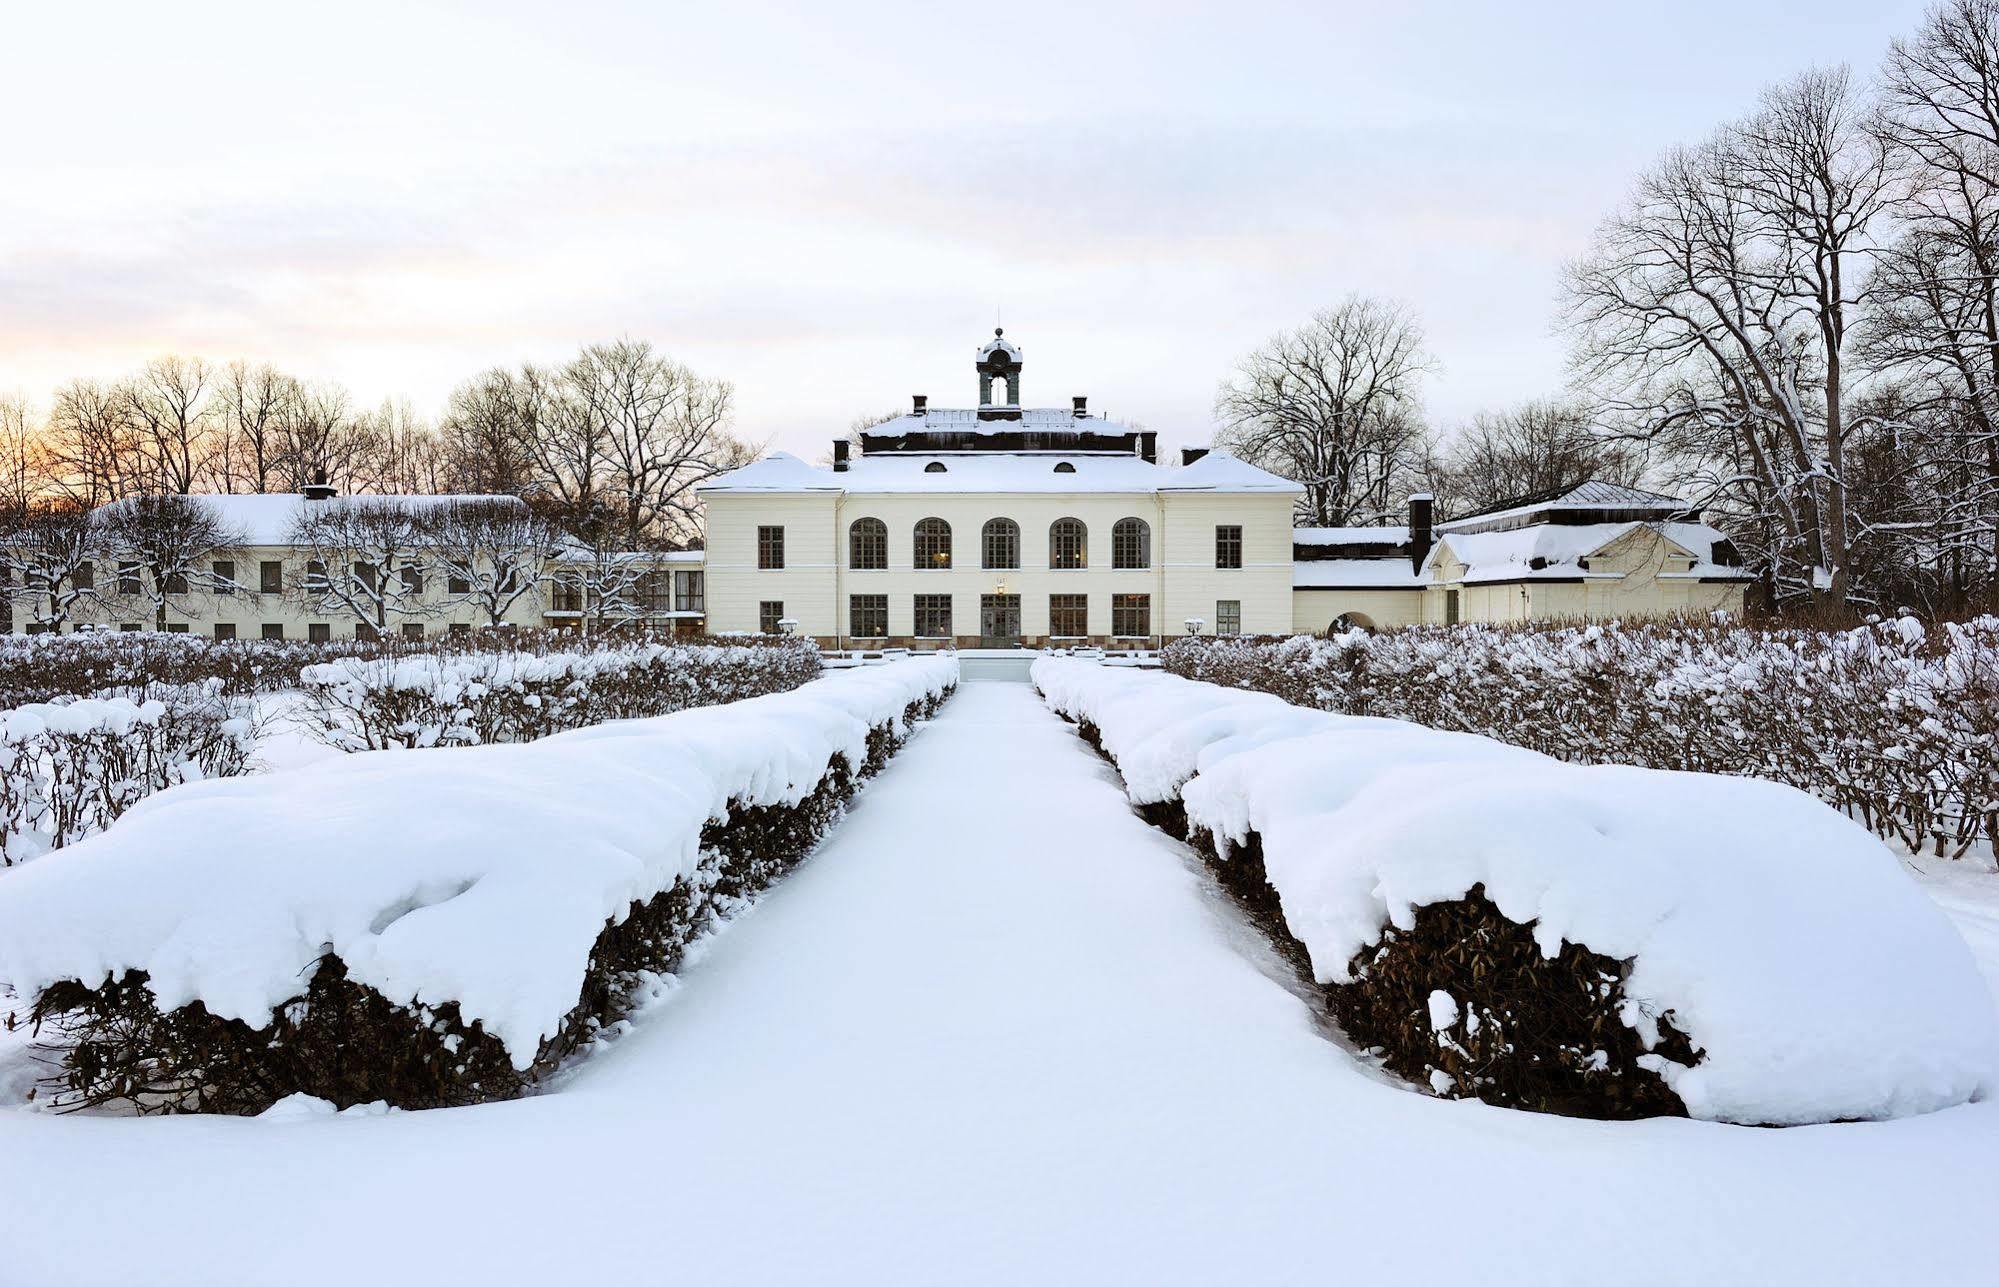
(826, 204)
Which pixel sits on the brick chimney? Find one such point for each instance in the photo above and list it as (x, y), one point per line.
(1082, 406)
(919, 404)
(1421, 528)
(1148, 446)
(318, 488)
(840, 446)
(1188, 455)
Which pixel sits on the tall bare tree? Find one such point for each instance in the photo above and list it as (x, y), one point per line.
(491, 554)
(49, 562)
(367, 559)
(170, 404)
(166, 545)
(1336, 405)
(1537, 446)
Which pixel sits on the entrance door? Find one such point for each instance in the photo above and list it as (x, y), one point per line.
(999, 620)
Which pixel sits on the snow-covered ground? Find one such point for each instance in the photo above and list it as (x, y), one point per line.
(997, 1031)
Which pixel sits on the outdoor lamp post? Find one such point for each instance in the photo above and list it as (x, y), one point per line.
(787, 625)
(1194, 625)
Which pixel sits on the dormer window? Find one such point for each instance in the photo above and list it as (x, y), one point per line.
(1064, 467)
(935, 467)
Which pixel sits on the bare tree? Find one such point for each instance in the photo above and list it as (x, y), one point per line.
(1335, 405)
(1538, 446)
(486, 436)
(92, 443)
(24, 464)
(48, 562)
(165, 545)
(492, 552)
(250, 405)
(169, 403)
(367, 559)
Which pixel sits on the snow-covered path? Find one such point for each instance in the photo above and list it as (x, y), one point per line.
(997, 1031)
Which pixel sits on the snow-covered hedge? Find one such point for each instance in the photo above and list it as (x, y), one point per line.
(473, 698)
(1772, 959)
(68, 770)
(433, 928)
(1896, 726)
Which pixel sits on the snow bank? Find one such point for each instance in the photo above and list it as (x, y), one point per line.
(480, 875)
(1788, 943)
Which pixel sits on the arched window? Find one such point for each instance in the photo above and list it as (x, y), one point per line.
(935, 467)
(1068, 544)
(1064, 467)
(1131, 544)
(1000, 544)
(867, 544)
(933, 543)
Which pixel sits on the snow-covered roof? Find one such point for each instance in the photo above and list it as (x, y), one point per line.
(271, 518)
(1589, 495)
(1350, 536)
(1395, 573)
(1220, 472)
(967, 420)
(1512, 555)
(1001, 472)
(999, 343)
(685, 556)
(778, 472)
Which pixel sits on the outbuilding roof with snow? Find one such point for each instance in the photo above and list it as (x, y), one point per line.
(1556, 552)
(1584, 503)
(271, 518)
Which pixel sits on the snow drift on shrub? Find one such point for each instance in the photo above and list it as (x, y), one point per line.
(1788, 943)
(480, 875)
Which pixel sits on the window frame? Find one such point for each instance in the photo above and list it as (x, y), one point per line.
(1228, 616)
(270, 576)
(1131, 545)
(867, 544)
(1058, 610)
(936, 603)
(1228, 545)
(1004, 530)
(871, 604)
(1058, 531)
(935, 534)
(770, 547)
(769, 613)
(1127, 604)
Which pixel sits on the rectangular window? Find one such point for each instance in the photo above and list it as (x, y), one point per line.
(319, 632)
(225, 630)
(85, 576)
(933, 616)
(769, 613)
(273, 630)
(129, 625)
(455, 584)
(315, 577)
(128, 578)
(412, 629)
(867, 616)
(1228, 616)
(1450, 607)
(225, 575)
(364, 576)
(271, 578)
(1131, 616)
(1068, 615)
(688, 592)
(176, 583)
(459, 628)
(412, 580)
(770, 547)
(177, 627)
(364, 630)
(1228, 546)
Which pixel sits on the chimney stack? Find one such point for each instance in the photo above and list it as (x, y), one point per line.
(1148, 446)
(318, 488)
(840, 446)
(1421, 534)
(920, 403)
(1188, 455)
(1082, 406)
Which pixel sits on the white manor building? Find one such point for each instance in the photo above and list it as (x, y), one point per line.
(1000, 525)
